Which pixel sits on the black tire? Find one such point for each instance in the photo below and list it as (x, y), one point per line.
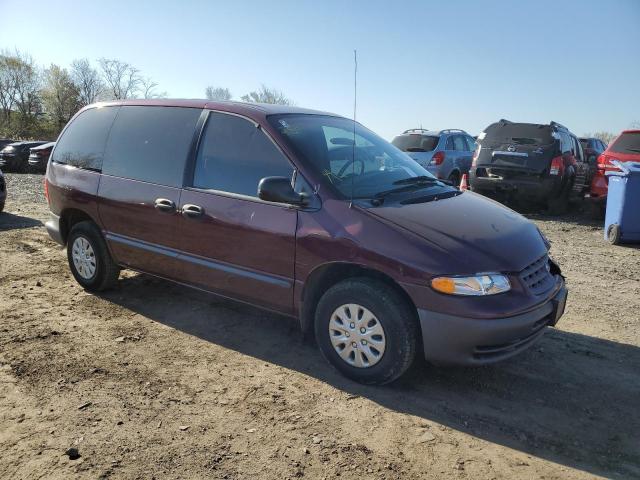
(560, 204)
(1, 206)
(395, 315)
(614, 234)
(106, 270)
(455, 178)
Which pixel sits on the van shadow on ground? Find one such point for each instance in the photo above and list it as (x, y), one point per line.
(572, 399)
(10, 221)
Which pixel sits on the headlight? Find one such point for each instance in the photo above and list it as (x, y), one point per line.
(485, 284)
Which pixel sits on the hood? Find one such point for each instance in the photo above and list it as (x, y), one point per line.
(482, 235)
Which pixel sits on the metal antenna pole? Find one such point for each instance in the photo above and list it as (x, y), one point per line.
(355, 97)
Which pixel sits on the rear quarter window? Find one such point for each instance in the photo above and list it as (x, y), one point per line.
(83, 141)
(151, 144)
(626, 143)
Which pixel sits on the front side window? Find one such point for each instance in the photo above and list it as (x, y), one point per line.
(459, 143)
(471, 144)
(362, 169)
(83, 141)
(235, 154)
(151, 144)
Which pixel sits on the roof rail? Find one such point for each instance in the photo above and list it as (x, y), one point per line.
(450, 130)
(556, 124)
(416, 130)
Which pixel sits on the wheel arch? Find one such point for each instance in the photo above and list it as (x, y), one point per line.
(69, 217)
(325, 276)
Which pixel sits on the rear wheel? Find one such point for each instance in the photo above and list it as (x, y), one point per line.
(560, 204)
(454, 178)
(366, 330)
(89, 259)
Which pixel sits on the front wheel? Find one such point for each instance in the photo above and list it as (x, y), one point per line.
(89, 259)
(366, 330)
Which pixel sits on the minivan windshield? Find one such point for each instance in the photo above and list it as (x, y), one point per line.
(369, 168)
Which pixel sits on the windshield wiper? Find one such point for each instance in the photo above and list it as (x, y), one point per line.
(415, 149)
(634, 149)
(378, 198)
(416, 180)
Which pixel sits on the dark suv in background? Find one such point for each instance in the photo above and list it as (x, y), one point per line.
(307, 214)
(592, 148)
(445, 153)
(530, 163)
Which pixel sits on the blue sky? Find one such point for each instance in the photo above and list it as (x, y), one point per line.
(446, 64)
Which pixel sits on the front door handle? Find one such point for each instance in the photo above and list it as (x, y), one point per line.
(165, 205)
(192, 211)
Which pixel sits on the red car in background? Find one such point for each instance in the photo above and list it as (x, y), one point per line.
(625, 148)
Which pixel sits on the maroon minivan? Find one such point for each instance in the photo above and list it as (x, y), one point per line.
(307, 214)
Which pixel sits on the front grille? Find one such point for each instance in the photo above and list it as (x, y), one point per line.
(537, 277)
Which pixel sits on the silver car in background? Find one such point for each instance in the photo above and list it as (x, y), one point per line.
(446, 153)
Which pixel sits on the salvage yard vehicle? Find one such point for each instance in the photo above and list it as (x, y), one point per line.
(307, 214)
(444, 153)
(3, 191)
(592, 148)
(625, 148)
(530, 163)
(14, 156)
(39, 156)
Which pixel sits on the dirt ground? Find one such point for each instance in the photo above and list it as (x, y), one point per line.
(153, 380)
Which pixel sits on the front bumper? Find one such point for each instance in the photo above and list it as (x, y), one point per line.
(53, 228)
(452, 340)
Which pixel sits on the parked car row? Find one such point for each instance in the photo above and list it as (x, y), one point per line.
(523, 163)
(24, 156)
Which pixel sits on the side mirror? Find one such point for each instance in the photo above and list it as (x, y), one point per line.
(279, 190)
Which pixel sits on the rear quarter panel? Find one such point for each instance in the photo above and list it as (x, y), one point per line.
(71, 187)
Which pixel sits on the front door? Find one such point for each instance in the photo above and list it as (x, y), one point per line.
(232, 242)
(139, 191)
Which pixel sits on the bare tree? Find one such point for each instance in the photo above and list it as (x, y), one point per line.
(635, 124)
(218, 93)
(606, 137)
(267, 95)
(8, 88)
(122, 79)
(21, 81)
(148, 89)
(87, 80)
(60, 95)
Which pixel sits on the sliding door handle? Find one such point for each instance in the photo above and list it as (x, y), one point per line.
(192, 211)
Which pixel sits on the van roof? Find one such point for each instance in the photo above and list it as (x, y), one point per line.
(243, 108)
